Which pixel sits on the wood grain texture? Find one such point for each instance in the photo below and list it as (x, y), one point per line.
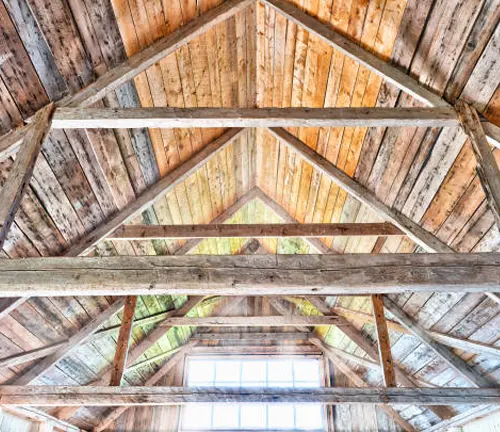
(20, 176)
(138, 232)
(127, 396)
(247, 336)
(454, 361)
(166, 117)
(250, 275)
(123, 342)
(384, 343)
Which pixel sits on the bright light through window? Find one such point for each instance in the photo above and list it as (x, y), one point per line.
(252, 373)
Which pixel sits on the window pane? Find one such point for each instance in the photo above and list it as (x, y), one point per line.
(200, 371)
(253, 371)
(227, 371)
(253, 416)
(197, 417)
(280, 371)
(225, 416)
(281, 416)
(306, 370)
(309, 416)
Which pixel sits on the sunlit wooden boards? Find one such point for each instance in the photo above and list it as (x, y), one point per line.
(251, 275)
(106, 396)
(166, 117)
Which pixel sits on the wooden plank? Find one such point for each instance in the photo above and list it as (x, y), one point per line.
(420, 236)
(7, 305)
(19, 177)
(459, 365)
(150, 195)
(41, 416)
(168, 117)
(73, 342)
(247, 336)
(463, 418)
(358, 381)
(250, 275)
(256, 350)
(123, 342)
(141, 232)
(487, 167)
(384, 343)
(139, 62)
(144, 396)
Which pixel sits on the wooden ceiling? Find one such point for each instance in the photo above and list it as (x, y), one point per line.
(256, 59)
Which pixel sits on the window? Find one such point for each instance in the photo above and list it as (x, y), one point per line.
(248, 372)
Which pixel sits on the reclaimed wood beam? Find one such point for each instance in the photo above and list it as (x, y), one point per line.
(419, 235)
(487, 167)
(448, 340)
(318, 230)
(123, 342)
(383, 340)
(150, 195)
(7, 305)
(134, 65)
(257, 350)
(453, 360)
(350, 48)
(250, 275)
(168, 117)
(248, 336)
(147, 396)
(19, 177)
(341, 365)
(38, 369)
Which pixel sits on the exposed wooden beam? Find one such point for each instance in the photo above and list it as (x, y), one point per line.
(250, 247)
(257, 350)
(420, 236)
(136, 64)
(150, 195)
(368, 59)
(123, 341)
(250, 274)
(74, 341)
(248, 336)
(384, 343)
(318, 230)
(144, 396)
(454, 361)
(172, 362)
(487, 167)
(358, 381)
(19, 176)
(285, 216)
(451, 341)
(137, 351)
(7, 305)
(168, 117)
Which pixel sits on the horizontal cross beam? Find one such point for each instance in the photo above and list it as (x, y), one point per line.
(127, 396)
(168, 117)
(355, 274)
(141, 232)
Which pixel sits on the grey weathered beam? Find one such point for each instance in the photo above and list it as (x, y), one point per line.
(453, 360)
(318, 230)
(248, 336)
(134, 65)
(168, 117)
(136, 396)
(250, 275)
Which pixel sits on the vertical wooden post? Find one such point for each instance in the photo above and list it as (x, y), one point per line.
(487, 167)
(384, 344)
(123, 341)
(19, 177)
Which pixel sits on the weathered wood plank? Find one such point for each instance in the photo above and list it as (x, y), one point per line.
(384, 344)
(247, 336)
(123, 342)
(167, 117)
(141, 232)
(250, 275)
(73, 342)
(487, 167)
(9, 304)
(459, 365)
(19, 177)
(128, 396)
(423, 238)
(146, 198)
(463, 418)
